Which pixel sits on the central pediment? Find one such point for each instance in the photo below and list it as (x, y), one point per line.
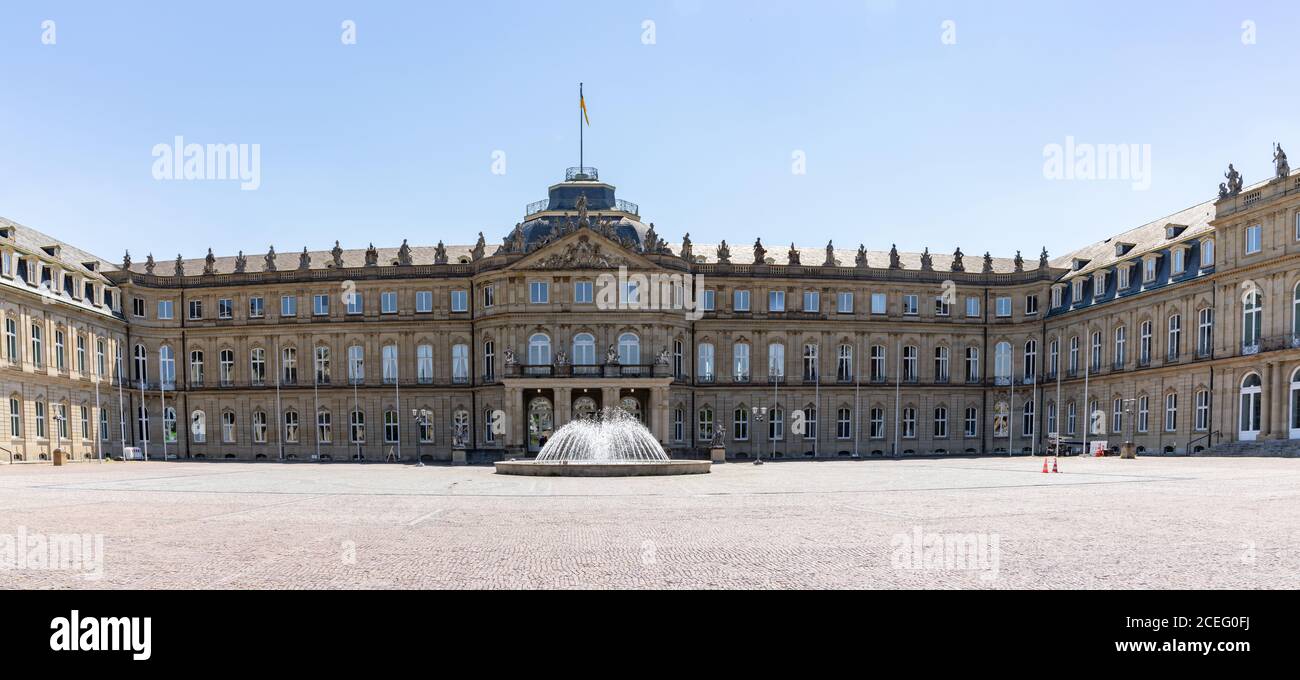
(583, 249)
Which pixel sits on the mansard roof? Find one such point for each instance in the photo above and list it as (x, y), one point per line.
(1150, 237)
(70, 257)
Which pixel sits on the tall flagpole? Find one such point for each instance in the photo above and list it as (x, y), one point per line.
(1087, 427)
(857, 398)
(898, 394)
(279, 408)
(581, 140)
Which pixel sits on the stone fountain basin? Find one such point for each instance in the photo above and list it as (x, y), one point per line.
(534, 468)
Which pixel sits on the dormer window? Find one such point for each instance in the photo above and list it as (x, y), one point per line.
(1173, 231)
(1099, 284)
(1149, 266)
(91, 266)
(1080, 263)
(6, 232)
(1058, 292)
(52, 251)
(1078, 290)
(1124, 270)
(1178, 259)
(1122, 249)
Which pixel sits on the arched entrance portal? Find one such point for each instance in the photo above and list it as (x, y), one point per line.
(541, 423)
(1295, 404)
(1252, 394)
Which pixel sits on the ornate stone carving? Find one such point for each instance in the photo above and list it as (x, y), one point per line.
(270, 260)
(509, 355)
(404, 254)
(957, 264)
(126, 261)
(209, 264)
(561, 359)
(792, 257)
(895, 262)
(927, 262)
(582, 211)
(372, 256)
(1282, 169)
(241, 263)
(760, 253)
(988, 263)
(724, 253)
(1042, 260)
(440, 254)
(860, 260)
(719, 438)
(686, 253)
(337, 255)
(581, 254)
(304, 260)
(1020, 262)
(481, 245)
(149, 264)
(180, 265)
(611, 355)
(662, 359)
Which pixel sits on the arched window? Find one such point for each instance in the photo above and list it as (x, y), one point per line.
(629, 349)
(740, 361)
(1252, 318)
(167, 367)
(390, 368)
(226, 367)
(1295, 315)
(357, 427)
(584, 349)
(1002, 362)
(257, 366)
(705, 427)
(169, 425)
(776, 360)
(322, 365)
(141, 363)
(228, 427)
(941, 364)
(356, 364)
(289, 366)
(198, 425)
(259, 427)
(704, 367)
(459, 363)
(1252, 395)
(539, 350)
(291, 427)
(324, 426)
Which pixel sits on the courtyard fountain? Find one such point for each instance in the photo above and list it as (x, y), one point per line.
(612, 443)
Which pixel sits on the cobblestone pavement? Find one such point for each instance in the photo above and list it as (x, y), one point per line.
(1149, 523)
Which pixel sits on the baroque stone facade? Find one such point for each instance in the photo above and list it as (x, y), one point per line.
(1182, 334)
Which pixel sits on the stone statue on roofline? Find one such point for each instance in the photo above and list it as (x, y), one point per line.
(1281, 166)
(792, 257)
(180, 265)
(927, 262)
(1042, 260)
(372, 256)
(241, 263)
(860, 260)
(957, 264)
(304, 260)
(126, 261)
(1020, 262)
(988, 263)
(830, 255)
(337, 255)
(686, 253)
(209, 264)
(895, 262)
(404, 254)
(149, 264)
(1233, 186)
(481, 245)
(270, 260)
(760, 253)
(440, 254)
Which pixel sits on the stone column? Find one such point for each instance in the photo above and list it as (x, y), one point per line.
(1266, 403)
(1282, 401)
(563, 406)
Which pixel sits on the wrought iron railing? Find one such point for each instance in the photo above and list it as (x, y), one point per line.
(537, 206)
(580, 173)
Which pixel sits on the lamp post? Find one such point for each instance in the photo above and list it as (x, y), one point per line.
(760, 415)
(421, 417)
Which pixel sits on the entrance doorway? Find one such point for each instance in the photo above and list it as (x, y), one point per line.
(541, 423)
(1295, 404)
(1252, 394)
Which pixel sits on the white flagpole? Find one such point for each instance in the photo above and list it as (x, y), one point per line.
(279, 409)
(121, 403)
(898, 394)
(857, 398)
(1087, 428)
(99, 441)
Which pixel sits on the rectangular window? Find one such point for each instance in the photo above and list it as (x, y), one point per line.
(710, 300)
(288, 305)
(1031, 304)
(225, 308)
(15, 419)
(424, 301)
(911, 305)
(776, 301)
(256, 307)
(844, 303)
(196, 309)
(1123, 278)
(387, 303)
(812, 301)
(879, 303)
(1149, 270)
(1003, 307)
(539, 292)
(1179, 260)
(941, 306)
(1207, 253)
(320, 305)
(972, 307)
(740, 301)
(137, 307)
(489, 296)
(165, 310)
(6, 263)
(582, 292)
(1254, 239)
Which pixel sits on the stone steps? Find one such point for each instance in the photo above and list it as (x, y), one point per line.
(1283, 448)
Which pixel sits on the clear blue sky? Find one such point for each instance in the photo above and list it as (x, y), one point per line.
(907, 140)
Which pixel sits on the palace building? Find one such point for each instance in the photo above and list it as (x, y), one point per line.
(1181, 335)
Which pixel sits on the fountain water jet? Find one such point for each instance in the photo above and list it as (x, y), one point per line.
(611, 444)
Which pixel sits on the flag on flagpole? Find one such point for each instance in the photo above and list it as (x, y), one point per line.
(582, 102)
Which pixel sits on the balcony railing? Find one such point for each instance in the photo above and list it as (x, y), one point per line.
(742, 379)
(1248, 350)
(537, 371)
(776, 379)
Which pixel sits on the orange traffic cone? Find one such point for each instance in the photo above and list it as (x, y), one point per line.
(1045, 470)
(1054, 468)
